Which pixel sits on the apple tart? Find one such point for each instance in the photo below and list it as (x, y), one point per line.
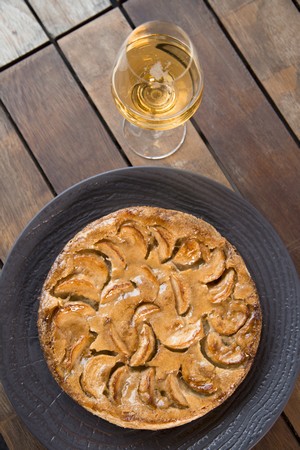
(149, 318)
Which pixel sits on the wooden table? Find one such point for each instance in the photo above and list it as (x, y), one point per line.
(59, 124)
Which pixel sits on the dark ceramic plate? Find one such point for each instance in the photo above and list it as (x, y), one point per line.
(56, 420)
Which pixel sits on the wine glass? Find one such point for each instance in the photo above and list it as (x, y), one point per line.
(157, 85)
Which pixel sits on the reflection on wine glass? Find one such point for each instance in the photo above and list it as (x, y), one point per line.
(157, 85)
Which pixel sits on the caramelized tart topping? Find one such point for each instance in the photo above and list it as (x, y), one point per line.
(149, 318)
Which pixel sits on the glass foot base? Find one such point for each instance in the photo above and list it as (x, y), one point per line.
(153, 144)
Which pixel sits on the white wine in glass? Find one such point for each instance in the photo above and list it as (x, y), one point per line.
(157, 85)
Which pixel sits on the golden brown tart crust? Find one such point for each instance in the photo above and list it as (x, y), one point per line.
(149, 318)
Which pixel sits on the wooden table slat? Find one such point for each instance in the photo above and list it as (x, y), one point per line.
(6, 409)
(14, 433)
(292, 409)
(59, 16)
(19, 31)
(12, 428)
(279, 438)
(57, 121)
(23, 190)
(268, 35)
(91, 51)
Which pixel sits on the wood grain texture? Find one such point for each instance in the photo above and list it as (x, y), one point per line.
(61, 15)
(6, 409)
(23, 191)
(92, 51)
(19, 30)
(12, 429)
(3, 445)
(56, 120)
(268, 35)
(279, 438)
(237, 120)
(17, 436)
(292, 409)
